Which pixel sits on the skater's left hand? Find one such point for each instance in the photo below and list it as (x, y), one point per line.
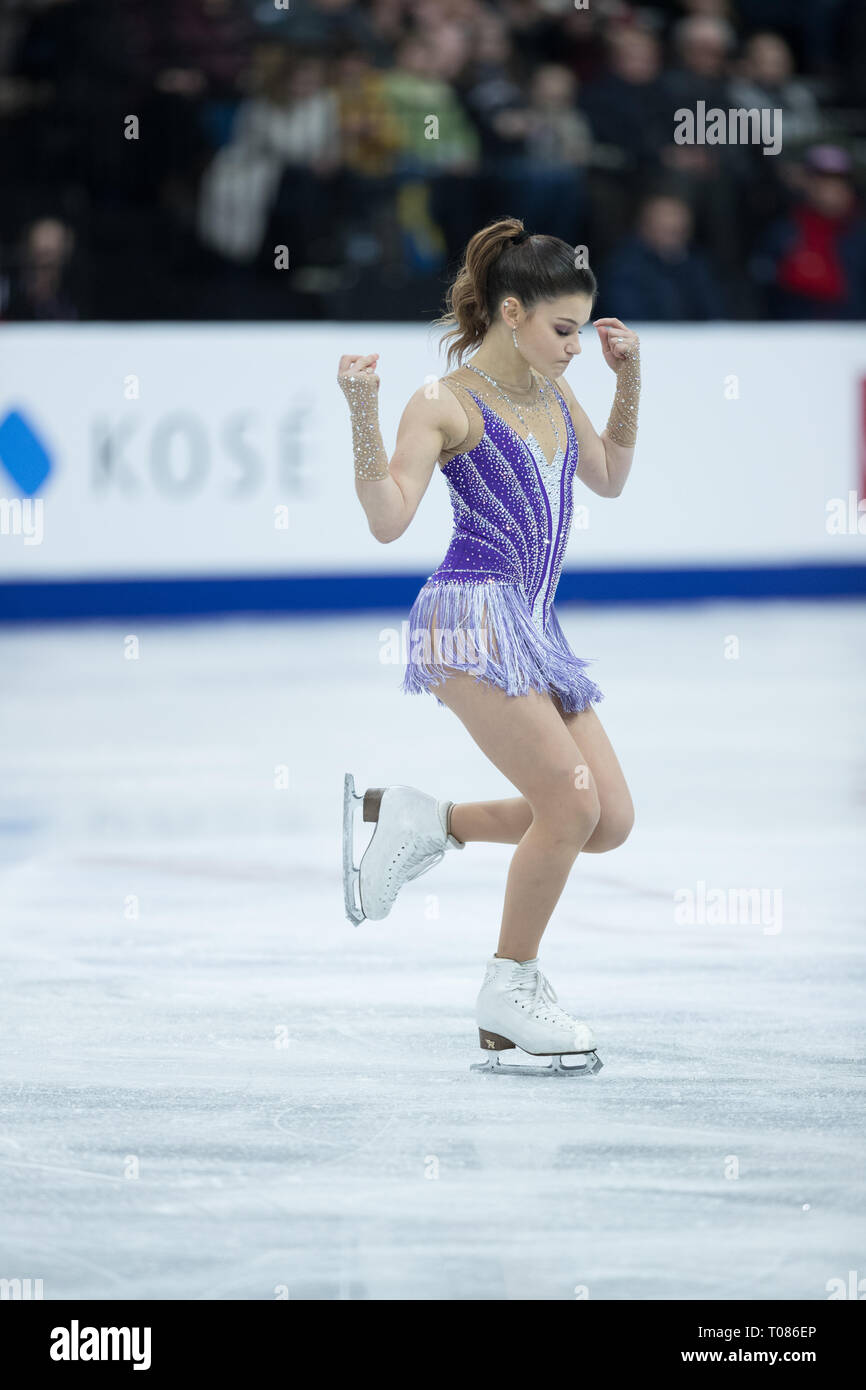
(618, 343)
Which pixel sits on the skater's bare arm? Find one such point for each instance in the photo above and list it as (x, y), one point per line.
(605, 459)
(390, 493)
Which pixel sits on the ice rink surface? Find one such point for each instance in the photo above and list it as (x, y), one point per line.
(213, 1086)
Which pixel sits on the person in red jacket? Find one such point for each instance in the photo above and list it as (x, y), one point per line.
(813, 261)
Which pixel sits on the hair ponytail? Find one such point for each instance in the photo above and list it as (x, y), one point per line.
(533, 267)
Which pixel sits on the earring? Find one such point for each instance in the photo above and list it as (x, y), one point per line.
(513, 331)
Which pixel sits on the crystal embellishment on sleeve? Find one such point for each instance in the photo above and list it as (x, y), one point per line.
(622, 424)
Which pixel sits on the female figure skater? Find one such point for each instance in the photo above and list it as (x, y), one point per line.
(509, 438)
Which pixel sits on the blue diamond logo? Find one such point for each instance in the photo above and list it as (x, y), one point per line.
(23, 454)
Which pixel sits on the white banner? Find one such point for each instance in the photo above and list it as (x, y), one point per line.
(171, 450)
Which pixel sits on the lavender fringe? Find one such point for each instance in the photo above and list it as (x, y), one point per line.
(526, 659)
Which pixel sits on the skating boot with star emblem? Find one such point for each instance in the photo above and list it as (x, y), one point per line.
(517, 1012)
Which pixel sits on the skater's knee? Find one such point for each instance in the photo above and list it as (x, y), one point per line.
(612, 830)
(622, 827)
(586, 818)
(571, 823)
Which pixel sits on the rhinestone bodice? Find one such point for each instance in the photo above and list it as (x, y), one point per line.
(512, 505)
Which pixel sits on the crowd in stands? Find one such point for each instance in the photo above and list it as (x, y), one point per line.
(213, 159)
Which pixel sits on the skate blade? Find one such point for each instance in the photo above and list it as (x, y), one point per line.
(584, 1064)
(351, 875)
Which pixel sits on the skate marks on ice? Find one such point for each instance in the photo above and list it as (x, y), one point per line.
(717, 1154)
(364, 1161)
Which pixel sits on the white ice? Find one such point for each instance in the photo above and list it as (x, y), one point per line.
(214, 1086)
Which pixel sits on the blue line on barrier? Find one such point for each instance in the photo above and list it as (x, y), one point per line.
(52, 600)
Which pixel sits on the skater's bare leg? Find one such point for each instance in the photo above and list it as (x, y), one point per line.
(617, 810)
(526, 738)
(494, 822)
(506, 821)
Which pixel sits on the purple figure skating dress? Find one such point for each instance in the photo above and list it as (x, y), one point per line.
(488, 608)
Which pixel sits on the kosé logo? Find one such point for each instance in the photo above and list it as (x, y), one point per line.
(23, 455)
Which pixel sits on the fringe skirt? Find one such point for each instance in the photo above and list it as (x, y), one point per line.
(485, 627)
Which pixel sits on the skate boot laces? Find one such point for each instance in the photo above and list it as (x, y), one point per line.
(537, 996)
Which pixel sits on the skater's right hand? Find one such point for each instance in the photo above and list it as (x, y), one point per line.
(354, 368)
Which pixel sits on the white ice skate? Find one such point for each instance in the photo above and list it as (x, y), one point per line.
(517, 1008)
(411, 836)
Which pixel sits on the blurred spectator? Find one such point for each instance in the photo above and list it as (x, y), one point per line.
(814, 260)
(382, 133)
(703, 46)
(710, 178)
(807, 25)
(370, 138)
(766, 81)
(370, 133)
(655, 274)
(386, 20)
(437, 204)
(542, 180)
(435, 131)
(557, 135)
(287, 134)
(40, 283)
(628, 107)
(489, 86)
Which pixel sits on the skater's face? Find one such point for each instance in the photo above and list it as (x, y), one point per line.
(549, 334)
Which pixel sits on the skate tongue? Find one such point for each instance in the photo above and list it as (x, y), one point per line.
(527, 976)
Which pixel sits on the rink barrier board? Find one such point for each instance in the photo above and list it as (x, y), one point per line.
(347, 593)
(223, 452)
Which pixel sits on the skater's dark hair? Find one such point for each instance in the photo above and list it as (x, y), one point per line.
(534, 268)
